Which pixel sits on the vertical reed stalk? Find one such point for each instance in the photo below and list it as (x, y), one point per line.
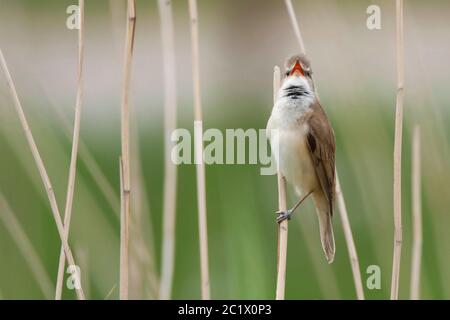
(41, 168)
(417, 216)
(125, 141)
(25, 247)
(339, 195)
(144, 280)
(198, 153)
(282, 206)
(74, 153)
(398, 153)
(170, 169)
(124, 237)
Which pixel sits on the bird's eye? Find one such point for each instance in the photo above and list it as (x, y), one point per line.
(287, 73)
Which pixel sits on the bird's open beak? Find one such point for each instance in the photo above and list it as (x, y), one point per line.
(297, 70)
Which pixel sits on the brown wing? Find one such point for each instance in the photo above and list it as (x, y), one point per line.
(322, 147)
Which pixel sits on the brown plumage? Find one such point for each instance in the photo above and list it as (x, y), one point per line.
(322, 148)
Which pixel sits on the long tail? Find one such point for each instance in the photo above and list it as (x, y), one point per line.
(325, 225)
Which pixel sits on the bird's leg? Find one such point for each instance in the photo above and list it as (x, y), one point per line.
(283, 215)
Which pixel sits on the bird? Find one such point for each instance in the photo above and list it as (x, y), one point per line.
(303, 143)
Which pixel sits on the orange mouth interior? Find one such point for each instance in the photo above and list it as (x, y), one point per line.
(297, 69)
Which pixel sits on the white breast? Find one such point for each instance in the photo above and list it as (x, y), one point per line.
(288, 141)
(294, 160)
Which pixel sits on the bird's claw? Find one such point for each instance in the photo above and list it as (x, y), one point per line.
(283, 215)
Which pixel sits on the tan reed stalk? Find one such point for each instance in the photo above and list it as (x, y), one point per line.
(339, 195)
(417, 215)
(198, 153)
(282, 206)
(41, 168)
(125, 141)
(354, 262)
(170, 169)
(295, 25)
(74, 153)
(398, 153)
(25, 247)
(124, 237)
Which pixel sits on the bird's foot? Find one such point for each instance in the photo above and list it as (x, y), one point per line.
(283, 215)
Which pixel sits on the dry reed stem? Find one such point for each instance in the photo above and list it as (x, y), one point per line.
(398, 153)
(74, 152)
(295, 25)
(354, 262)
(198, 153)
(143, 283)
(125, 158)
(41, 168)
(417, 216)
(282, 206)
(170, 169)
(339, 195)
(124, 237)
(25, 247)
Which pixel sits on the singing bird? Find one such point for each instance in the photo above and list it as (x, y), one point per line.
(303, 144)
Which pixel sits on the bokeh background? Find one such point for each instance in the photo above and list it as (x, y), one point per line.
(240, 42)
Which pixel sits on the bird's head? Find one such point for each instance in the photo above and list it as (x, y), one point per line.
(298, 65)
(298, 74)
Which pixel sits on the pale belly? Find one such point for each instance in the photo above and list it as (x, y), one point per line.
(295, 162)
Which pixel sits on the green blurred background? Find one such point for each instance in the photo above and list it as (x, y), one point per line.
(240, 42)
